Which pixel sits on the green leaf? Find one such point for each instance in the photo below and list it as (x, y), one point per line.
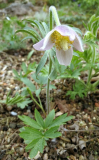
(30, 134)
(37, 92)
(45, 27)
(16, 74)
(51, 130)
(39, 146)
(39, 119)
(29, 121)
(51, 133)
(42, 62)
(40, 79)
(24, 103)
(49, 118)
(28, 37)
(54, 135)
(23, 66)
(30, 54)
(29, 84)
(33, 31)
(60, 120)
(32, 144)
(53, 74)
(33, 152)
(23, 30)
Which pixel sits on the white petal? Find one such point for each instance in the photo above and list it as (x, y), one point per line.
(65, 30)
(78, 44)
(38, 45)
(47, 41)
(64, 57)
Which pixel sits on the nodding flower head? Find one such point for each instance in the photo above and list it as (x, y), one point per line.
(63, 38)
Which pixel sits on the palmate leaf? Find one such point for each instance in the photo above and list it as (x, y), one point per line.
(28, 83)
(30, 122)
(24, 103)
(40, 79)
(30, 134)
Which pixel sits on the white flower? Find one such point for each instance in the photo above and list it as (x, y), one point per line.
(63, 37)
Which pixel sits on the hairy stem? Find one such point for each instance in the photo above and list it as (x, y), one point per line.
(53, 13)
(36, 101)
(92, 62)
(53, 10)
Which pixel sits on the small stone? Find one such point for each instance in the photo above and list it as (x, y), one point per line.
(21, 151)
(81, 157)
(9, 108)
(45, 157)
(13, 113)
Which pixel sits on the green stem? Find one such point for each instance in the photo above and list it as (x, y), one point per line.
(53, 11)
(92, 62)
(35, 101)
(96, 84)
(47, 92)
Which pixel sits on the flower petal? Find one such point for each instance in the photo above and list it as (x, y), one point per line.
(64, 57)
(45, 44)
(65, 30)
(47, 41)
(38, 45)
(78, 44)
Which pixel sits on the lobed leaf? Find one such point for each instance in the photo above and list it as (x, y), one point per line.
(29, 121)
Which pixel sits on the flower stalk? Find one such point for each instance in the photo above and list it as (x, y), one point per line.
(53, 11)
(92, 62)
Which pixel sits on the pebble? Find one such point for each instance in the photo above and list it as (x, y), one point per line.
(81, 157)
(21, 151)
(45, 157)
(9, 108)
(13, 113)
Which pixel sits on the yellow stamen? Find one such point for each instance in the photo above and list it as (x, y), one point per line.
(61, 42)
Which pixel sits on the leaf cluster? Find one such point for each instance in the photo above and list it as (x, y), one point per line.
(8, 38)
(38, 131)
(21, 101)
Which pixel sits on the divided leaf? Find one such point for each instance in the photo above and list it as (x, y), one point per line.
(28, 83)
(29, 121)
(30, 133)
